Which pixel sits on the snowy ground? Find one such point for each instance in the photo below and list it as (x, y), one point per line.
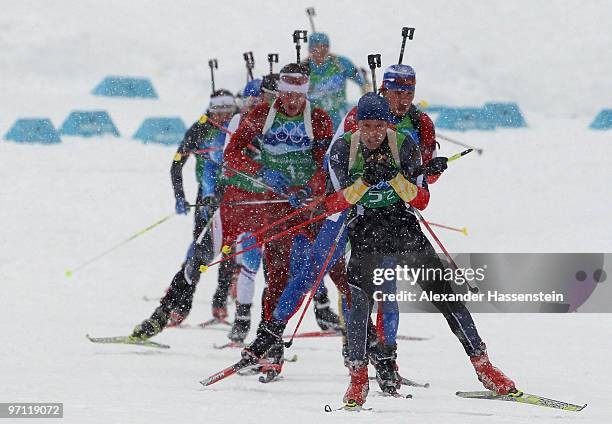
(541, 189)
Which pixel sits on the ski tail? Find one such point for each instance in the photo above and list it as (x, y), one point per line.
(522, 397)
(227, 372)
(127, 340)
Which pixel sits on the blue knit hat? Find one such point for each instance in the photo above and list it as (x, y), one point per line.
(317, 38)
(399, 77)
(373, 106)
(252, 89)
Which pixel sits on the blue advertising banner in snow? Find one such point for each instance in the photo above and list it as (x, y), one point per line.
(115, 86)
(89, 124)
(507, 115)
(161, 130)
(603, 120)
(464, 119)
(489, 117)
(33, 130)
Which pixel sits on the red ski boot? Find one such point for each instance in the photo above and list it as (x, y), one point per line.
(491, 377)
(359, 386)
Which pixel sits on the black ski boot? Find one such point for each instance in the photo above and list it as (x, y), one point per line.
(269, 333)
(272, 364)
(326, 318)
(151, 326)
(242, 323)
(383, 358)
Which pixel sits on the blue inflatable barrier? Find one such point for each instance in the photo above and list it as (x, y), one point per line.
(463, 119)
(33, 130)
(507, 115)
(88, 124)
(432, 108)
(125, 87)
(603, 120)
(161, 130)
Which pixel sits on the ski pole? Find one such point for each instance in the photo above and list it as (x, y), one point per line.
(459, 143)
(406, 33)
(70, 272)
(446, 227)
(448, 256)
(317, 282)
(250, 64)
(276, 223)
(297, 36)
(212, 63)
(205, 267)
(249, 202)
(373, 63)
(459, 155)
(310, 11)
(272, 59)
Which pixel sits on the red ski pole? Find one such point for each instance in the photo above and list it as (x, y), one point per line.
(317, 282)
(448, 256)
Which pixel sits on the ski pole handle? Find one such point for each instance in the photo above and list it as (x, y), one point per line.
(406, 33)
(212, 63)
(373, 63)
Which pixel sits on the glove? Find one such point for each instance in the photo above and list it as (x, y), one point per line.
(207, 206)
(298, 199)
(276, 180)
(436, 166)
(181, 206)
(377, 171)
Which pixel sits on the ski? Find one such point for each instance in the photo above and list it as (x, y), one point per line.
(127, 340)
(214, 321)
(326, 333)
(522, 397)
(412, 338)
(349, 406)
(234, 345)
(407, 382)
(151, 299)
(236, 368)
(227, 372)
(333, 333)
(394, 393)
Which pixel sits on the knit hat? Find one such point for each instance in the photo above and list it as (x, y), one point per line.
(399, 77)
(372, 106)
(294, 77)
(222, 101)
(317, 38)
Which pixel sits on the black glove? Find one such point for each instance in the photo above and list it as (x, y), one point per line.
(378, 170)
(436, 166)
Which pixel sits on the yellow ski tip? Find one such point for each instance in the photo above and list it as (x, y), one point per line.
(423, 103)
(203, 119)
(464, 231)
(68, 273)
(226, 249)
(203, 268)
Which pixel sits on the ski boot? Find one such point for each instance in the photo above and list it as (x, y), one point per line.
(272, 364)
(181, 311)
(269, 337)
(151, 326)
(326, 318)
(242, 324)
(359, 386)
(383, 358)
(491, 377)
